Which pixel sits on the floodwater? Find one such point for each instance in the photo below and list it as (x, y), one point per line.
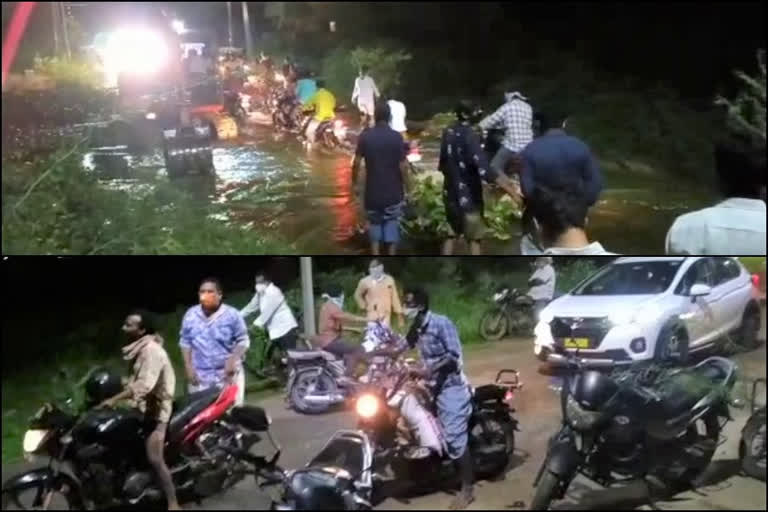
(274, 185)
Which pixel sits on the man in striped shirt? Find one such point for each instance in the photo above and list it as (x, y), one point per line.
(515, 116)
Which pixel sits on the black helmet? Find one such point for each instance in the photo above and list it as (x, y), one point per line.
(316, 490)
(101, 385)
(593, 389)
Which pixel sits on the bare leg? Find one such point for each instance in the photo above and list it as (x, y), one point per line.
(392, 249)
(474, 247)
(447, 247)
(155, 443)
(375, 248)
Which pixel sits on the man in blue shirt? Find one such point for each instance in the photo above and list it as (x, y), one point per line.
(556, 160)
(386, 179)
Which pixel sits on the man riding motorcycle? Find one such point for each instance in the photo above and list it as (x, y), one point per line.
(324, 105)
(440, 348)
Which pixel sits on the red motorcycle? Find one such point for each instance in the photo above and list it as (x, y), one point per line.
(97, 457)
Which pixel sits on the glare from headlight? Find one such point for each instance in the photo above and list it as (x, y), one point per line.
(33, 439)
(579, 418)
(367, 406)
(135, 51)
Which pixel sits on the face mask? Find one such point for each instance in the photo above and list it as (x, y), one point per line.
(411, 313)
(339, 301)
(209, 300)
(377, 272)
(261, 287)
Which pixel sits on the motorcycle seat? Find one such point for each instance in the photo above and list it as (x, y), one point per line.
(309, 355)
(489, 392)
(189, 406)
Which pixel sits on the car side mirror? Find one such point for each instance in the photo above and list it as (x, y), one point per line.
(699, 290)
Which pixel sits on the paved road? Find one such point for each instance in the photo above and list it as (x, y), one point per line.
(538, 412)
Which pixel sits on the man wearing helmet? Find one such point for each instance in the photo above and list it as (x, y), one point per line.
(150, 388)
(464, 165)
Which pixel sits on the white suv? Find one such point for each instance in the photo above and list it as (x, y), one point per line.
(651, 308)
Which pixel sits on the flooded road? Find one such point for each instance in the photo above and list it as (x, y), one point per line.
(274, 185)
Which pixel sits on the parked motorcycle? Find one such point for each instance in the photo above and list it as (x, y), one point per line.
(98, 458)
(401, 458)
(315, 381)
(752, 445)
(512, 312)
(618, 429)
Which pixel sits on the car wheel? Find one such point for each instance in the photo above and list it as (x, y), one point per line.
(748, 332)
(672, 345)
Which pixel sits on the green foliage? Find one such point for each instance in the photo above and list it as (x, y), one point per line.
(436, 124)
(572, 273)
(53, 206)
(342, 65)
(754, 264)
(77, 71)
(428, 217)
(746, 112)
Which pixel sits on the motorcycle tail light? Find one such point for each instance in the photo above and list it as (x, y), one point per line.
(509, 396)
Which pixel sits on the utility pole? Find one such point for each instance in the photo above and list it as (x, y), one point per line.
(55, 23)
(307, 295)
(65, 31)
(247, 26)
(229, 22)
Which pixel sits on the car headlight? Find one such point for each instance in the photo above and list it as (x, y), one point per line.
(546, 316)
(34, 439)
(579, 418)
(367, 406)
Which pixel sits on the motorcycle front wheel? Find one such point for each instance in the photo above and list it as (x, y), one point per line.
(37, 499)
(752, 448)
(494, 324)
(545, 491)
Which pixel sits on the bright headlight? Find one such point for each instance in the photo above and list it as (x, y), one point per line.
(135, 51)
(367, 406)
(546, 316)
(33, 440)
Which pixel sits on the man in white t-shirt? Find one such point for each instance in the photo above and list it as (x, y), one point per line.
(274, 315)
(365, 95)
(735, 225)
(542, 283)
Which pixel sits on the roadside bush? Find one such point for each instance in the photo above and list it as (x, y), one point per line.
(53, 206)
(746, 112)
(77, 71)
(573, 272)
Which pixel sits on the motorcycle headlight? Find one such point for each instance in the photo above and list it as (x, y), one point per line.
(34, 439)
(578, 417)
(367, 406)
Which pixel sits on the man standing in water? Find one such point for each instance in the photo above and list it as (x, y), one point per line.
(376, 294)
(386, 179)
(364, 96)
(213, 341)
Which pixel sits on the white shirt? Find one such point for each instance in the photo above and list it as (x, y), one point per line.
(274, 312)
(593, 249)
(365, 92)
(735, 226)
(397, 109)
(547, 290)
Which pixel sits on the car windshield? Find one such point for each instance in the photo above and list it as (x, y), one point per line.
(639, 278)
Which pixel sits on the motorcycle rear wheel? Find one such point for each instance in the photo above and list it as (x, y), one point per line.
(494, 325)
(11, 501)
(752, 461)
(299, 391)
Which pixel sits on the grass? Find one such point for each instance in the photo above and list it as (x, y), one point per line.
(755, 264)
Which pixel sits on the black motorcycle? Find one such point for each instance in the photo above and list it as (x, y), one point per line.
(617, 429)
(97, 456)
(752, 445)
(512, 312)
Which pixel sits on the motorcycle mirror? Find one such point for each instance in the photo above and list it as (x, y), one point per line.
(737, 403)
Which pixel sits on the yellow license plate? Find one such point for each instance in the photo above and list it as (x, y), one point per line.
(576, 342)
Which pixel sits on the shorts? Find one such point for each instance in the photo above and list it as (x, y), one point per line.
(469, 224)
(384, 225)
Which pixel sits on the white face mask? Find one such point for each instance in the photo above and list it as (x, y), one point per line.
(261, 287)
(377, 272)
(339, 301)
(411, 313)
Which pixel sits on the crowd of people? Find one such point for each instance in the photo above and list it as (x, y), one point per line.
(552, 175)
(214, 339)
